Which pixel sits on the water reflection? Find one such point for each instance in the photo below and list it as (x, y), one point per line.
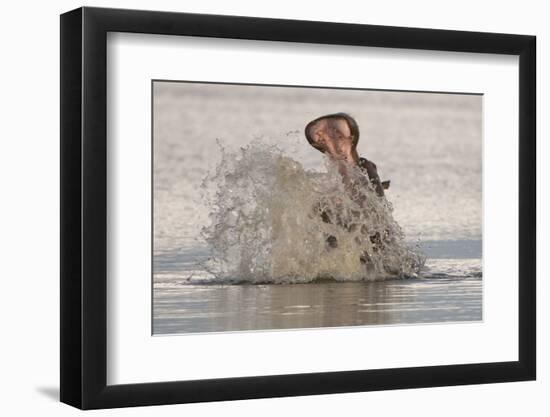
(217, 308)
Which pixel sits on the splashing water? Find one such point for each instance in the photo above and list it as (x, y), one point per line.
(273, 221)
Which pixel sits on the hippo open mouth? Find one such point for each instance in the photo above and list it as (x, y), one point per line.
(336, 135)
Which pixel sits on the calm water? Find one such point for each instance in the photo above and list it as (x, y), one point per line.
(216, 308)
(428, 145)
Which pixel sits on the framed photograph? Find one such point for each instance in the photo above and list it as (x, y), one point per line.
(258, 208)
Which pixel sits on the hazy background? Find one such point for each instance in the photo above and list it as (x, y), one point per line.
(428, 145)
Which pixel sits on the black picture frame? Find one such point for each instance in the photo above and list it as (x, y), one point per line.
(84, 207)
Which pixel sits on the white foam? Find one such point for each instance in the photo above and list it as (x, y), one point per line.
(267, 225)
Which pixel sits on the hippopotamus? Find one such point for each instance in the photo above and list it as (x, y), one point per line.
(337, 135)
